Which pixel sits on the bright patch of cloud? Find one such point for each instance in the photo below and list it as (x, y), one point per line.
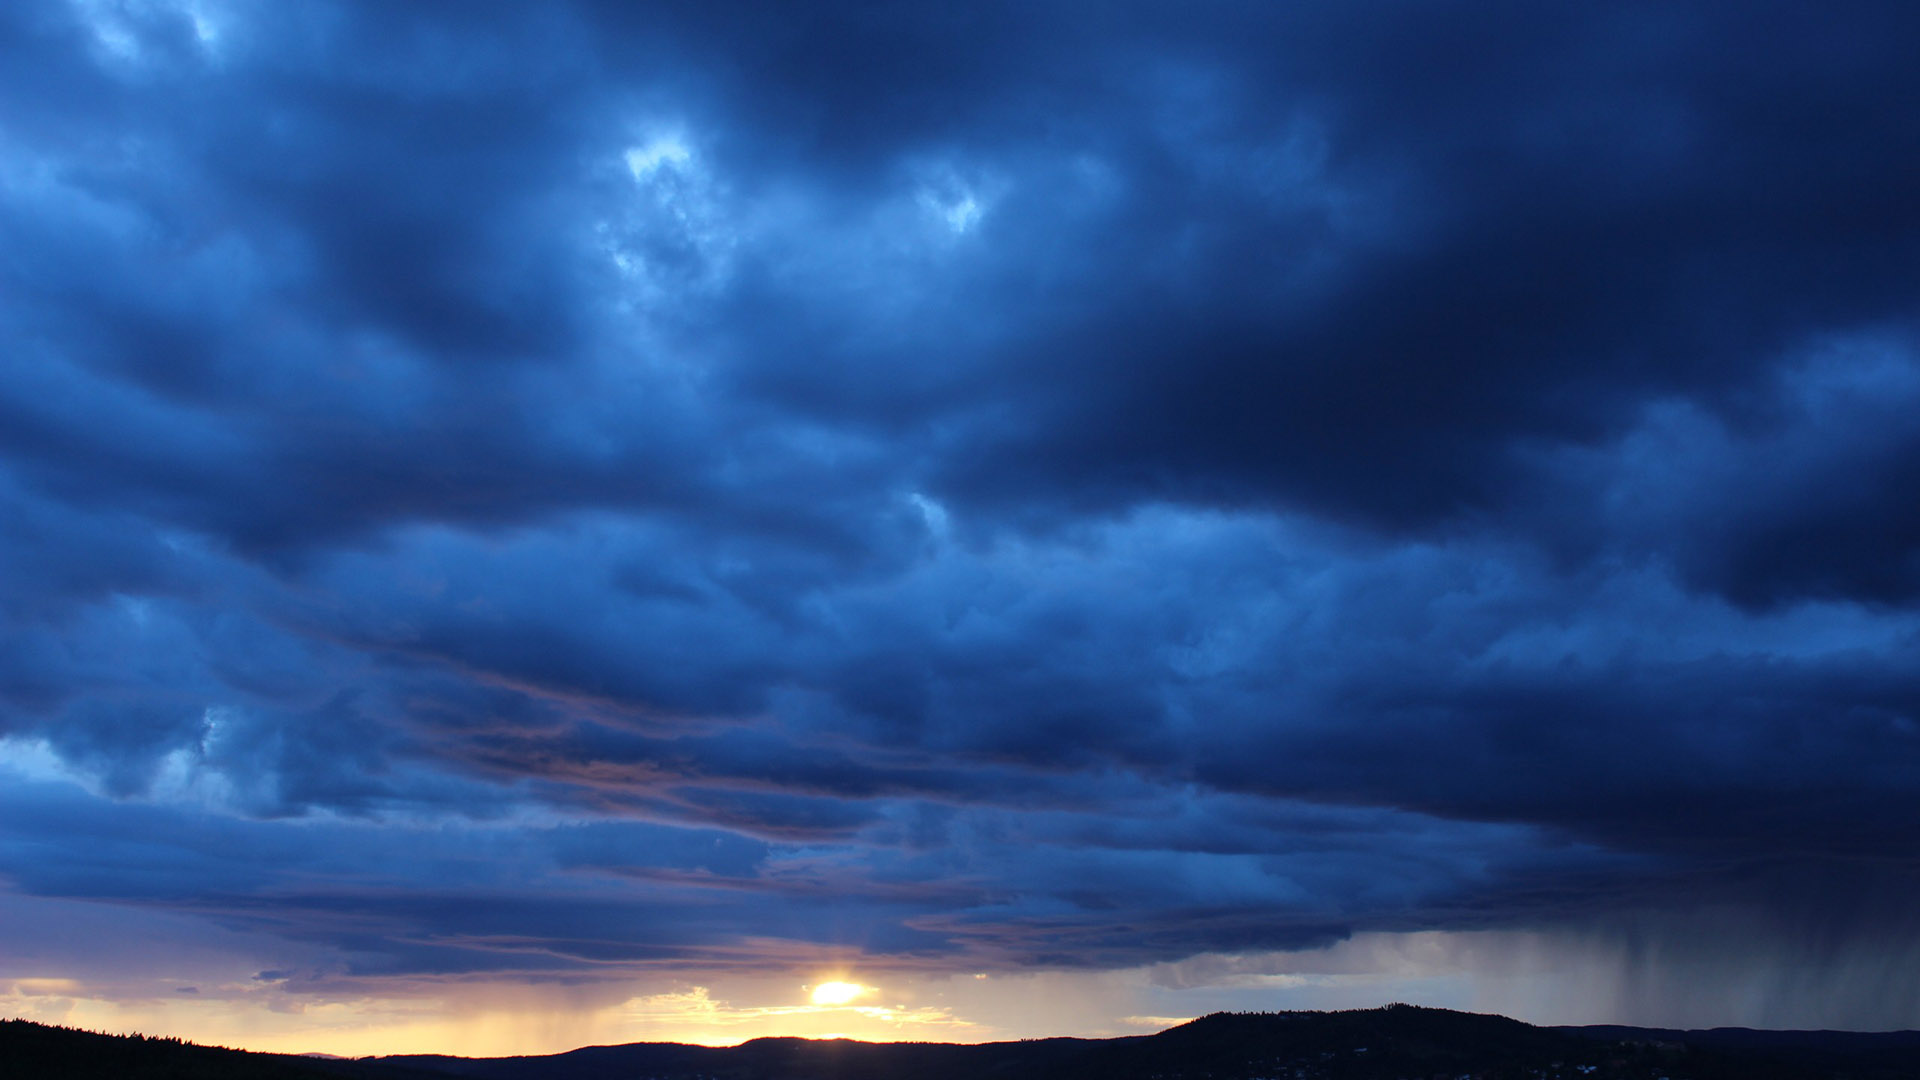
(646, 160)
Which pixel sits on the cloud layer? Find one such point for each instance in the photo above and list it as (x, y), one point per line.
(549, 491)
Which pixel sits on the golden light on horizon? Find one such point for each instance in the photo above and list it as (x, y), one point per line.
(838, 993)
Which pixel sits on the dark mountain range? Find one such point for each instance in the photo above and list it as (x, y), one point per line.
(1853, 1053)
(1399, 1042)
(30, 1050)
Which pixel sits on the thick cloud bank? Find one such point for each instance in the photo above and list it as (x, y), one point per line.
(550, 490)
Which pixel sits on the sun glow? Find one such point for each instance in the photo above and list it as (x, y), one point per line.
(838, 993)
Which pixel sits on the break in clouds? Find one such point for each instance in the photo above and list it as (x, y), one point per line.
(573, 491)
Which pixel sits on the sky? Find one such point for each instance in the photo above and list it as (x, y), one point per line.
(533, 524)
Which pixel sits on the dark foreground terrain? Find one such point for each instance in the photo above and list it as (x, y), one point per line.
(1399, 1042)
(35, 1050)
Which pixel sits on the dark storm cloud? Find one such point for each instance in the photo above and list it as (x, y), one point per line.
(1075, 487)
(1792, 493)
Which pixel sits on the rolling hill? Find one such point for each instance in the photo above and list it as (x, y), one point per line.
(1398, 1042)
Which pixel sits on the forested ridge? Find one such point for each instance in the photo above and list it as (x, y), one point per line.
(1398, 1042)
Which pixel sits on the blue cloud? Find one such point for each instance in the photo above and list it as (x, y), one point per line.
(597, 485)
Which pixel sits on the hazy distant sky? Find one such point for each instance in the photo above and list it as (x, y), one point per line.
(525, 524)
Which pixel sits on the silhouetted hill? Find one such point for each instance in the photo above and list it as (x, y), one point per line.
(30, 1050)
(788, 1059)
(1399, 1042)
(1854, 1053)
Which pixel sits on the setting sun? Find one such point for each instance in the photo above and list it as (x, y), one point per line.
(838, 993)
